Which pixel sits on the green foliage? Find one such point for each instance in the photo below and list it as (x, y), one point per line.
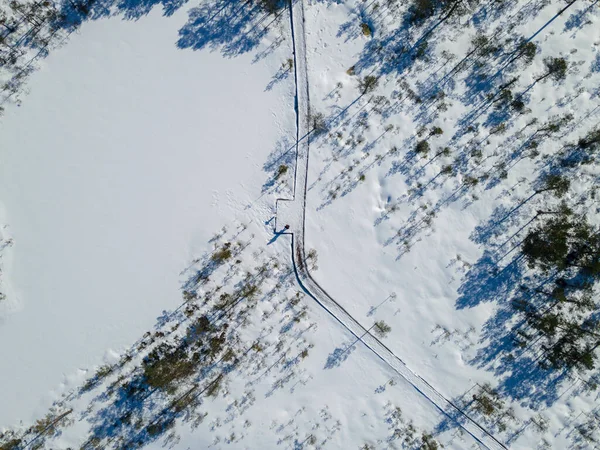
(166, 365)
(428, 442)
(558, 184)
(590, 143)
(281, 171)
(556, 68)
(568, 352)
(213, 388)
(223, 254)
(437, 131)
(198, 327)
(381, 328)
(527, 50)
(249, 290)
(271, 6)
(547, 245)
(487, 401)
(421, 50)
(158, 428)
(518, 105)
(103, 371)
(504, 98)
(422, 10)
(368, 84)
(366, 29)
(447, 170)
(422, 147)
(12, 444)
(482, 45)
(568, 247)
(470, 181)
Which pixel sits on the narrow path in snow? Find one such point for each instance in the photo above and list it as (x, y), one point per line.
(292, 212)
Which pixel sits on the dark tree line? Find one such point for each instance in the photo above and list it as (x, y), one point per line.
(564, 246)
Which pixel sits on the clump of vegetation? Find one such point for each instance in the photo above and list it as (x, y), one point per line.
(160, 427)
(223, 254)
(368, 84)
(271, 6)
(421, 10)
(421, 50)
(312, 259)
(447, 170)
(366, 29)
(198, 327)
(9, 441)
(556, 68)
(319, 126)
(436, 131)
(528, 50)
(381, 329)
(13, 444)
(487, 401)
(590, 143)
(281, 171)
(429, 442)
(422, 148)
(483, 46)
(166, 365)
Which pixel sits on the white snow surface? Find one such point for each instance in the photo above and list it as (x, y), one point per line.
(124, 159)
(129, 153)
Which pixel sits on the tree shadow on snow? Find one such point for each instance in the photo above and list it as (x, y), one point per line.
(227, 26)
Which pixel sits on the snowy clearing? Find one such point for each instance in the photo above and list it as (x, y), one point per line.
(124, 159)
(433, 164)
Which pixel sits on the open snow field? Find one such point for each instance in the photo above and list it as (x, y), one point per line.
(127, 155)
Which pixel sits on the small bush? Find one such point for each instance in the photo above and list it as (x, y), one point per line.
(421, 10)
(366, 29)
(165, 365)
(281, 171)
(447, 170)
(13, 444)
(271, 6)
(422, 147)
(318, 123)
(103, 371)
(528, 50)
(223, 254)
(381, 329)
(556, 68)
(368, 84)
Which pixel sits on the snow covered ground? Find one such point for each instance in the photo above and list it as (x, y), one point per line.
(131, 152)
(370, 197)
(125, 158)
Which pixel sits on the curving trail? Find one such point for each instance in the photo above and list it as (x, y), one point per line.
(292, 212)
